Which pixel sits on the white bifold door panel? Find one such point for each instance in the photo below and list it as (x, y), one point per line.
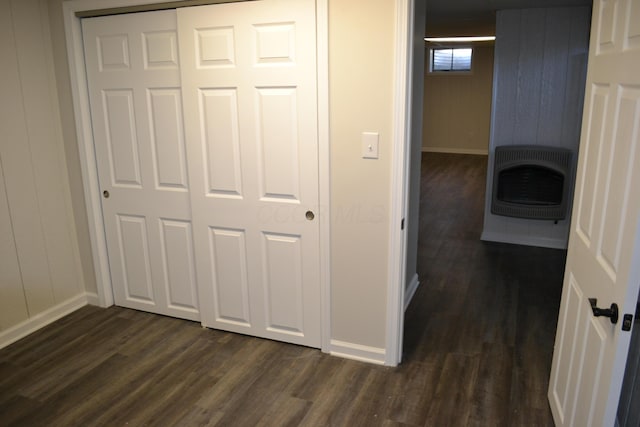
(136, 106)
(249, 92)
(603, 260)
(205, 127)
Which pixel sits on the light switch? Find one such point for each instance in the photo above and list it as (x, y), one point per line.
(370, 145)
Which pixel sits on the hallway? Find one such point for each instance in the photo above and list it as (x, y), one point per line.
(487, 311)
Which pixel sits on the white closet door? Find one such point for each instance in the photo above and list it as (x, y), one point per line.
(134, 84)
(249, 93)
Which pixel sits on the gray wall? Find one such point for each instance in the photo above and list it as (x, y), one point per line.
(539, 78)
(628, 409)
(416, 143)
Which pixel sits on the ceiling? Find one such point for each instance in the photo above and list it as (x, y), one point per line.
(477, 17)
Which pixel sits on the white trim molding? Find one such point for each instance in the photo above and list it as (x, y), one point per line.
(362, 353)
(324, 165)
(411, 291)
(82, 115)
(41, 320)
(403, 66)
(475, 151)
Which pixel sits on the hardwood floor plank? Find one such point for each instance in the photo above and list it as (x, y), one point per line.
(266, 386)
(315, 377)
(450, 405)
(238, 376)
(200, 417)
(286, 411)
(85, 394)
(331, 406)
(492, 388)
(413, 388)
(72, 360)
(15, 408)
(477, 347)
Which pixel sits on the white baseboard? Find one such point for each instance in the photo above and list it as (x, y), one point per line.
(358, 352)
(92, 299)
(542, 242)
(474, 151)
(411, 290)
(41, 320)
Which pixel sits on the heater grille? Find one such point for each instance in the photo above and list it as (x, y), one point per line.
(531, 181)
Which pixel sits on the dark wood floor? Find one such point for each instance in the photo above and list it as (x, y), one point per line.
(478, 342)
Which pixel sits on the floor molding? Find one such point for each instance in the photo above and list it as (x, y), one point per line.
(542, 242)
(411, 290)
(93, 298)
(473, 151)
(41, 320)
(362, 353)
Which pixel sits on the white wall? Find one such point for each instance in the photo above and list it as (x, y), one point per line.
(539, 79)
(361, 49)
(40, 273)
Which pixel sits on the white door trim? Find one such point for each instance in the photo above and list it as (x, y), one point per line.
(403, 65)
(82, 115)
(324, 168)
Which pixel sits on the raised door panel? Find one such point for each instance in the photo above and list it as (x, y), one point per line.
(283, 284)
(134, 264)
(215, 47)
(598, 98)
(160, 50)
(566, 350)
(221, 142)
(228, 252)
(278, 144)
(113, 52)
(179, 266)
(627, 125)
(121, 137)
(167, 138)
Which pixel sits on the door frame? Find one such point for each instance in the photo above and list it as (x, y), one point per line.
(401, 159)
(89, 167)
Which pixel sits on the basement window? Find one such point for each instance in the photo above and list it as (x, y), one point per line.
(456, 59)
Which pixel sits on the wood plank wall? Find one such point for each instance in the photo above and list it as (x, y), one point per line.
(39, 257)
(539, 77)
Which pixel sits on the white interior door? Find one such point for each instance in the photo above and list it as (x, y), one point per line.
(134, 85)
(249, 95)
(604, 247)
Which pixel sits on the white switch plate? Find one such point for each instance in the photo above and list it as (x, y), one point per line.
(370, 145)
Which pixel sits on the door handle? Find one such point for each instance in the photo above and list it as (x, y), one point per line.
(611, 313)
